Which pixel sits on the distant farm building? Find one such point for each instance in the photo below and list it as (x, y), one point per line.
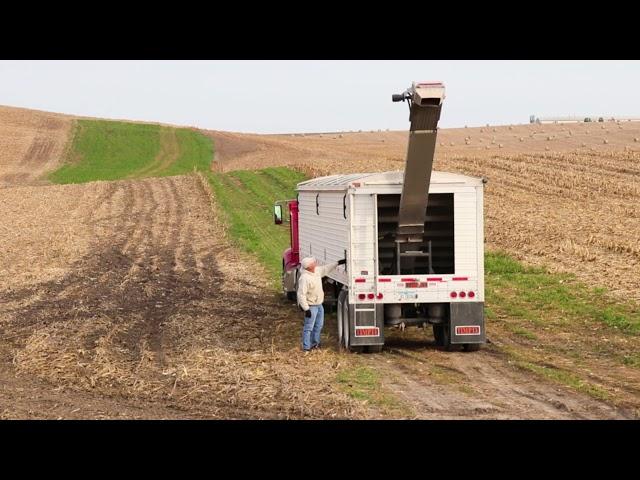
(580, 119)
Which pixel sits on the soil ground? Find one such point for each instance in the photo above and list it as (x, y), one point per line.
(125, 299)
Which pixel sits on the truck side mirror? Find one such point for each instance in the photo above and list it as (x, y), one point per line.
(277, 214)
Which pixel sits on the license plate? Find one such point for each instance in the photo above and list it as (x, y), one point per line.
(367, 332)
(468, 330)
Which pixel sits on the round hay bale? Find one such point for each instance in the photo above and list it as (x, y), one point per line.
(510, 127)
(500, 145)
(549, 138)
(605, 141)
(636, 139)
(494, 130)
(487, 147)
(340, 136)
(583, 145)
(547, 148)
(452, 144)
(521, 139)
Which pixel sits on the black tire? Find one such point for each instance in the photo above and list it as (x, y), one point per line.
(293, 296)
(471, 347)
(446, 338)
(437, 334)
(374, 348)
(344, 341)
(340, 319)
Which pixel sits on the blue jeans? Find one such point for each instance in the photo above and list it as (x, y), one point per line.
(312, 327)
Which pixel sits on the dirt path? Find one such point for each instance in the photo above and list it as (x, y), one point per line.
(169, 153)
(481, 385)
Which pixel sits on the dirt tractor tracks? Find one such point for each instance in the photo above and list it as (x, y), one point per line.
(159, 311)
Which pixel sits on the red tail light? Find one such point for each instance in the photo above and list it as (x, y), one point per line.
(379, 296)
(463, 294)
(453, 295)
(362, 296)
(471, 294)
(371, 296)
(359, 280)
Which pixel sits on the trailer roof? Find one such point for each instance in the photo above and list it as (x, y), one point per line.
(342, 182)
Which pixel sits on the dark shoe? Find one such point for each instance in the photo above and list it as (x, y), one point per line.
(316, 347)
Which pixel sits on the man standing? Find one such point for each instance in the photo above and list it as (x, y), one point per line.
(310, 298)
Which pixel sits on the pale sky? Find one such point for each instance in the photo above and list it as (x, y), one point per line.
(317, 96)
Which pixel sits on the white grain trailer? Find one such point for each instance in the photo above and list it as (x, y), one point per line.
(413, 241)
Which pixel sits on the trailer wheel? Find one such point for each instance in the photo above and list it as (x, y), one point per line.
(442, 335)
(293, 296)
(343, 324)
(374, 348)
(340, 316)
(471, 347)
(446, 338)
(437, 335)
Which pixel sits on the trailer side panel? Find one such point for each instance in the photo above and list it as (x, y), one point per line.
(324, 229)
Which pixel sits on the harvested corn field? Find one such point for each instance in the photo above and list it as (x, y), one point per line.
(32, 143)
(130, 298)
(571, 208)
(142, 313)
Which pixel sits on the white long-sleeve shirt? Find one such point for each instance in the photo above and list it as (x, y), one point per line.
(310, 285)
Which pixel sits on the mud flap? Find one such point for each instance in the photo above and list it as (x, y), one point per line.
(467, 322)
(368, 327)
